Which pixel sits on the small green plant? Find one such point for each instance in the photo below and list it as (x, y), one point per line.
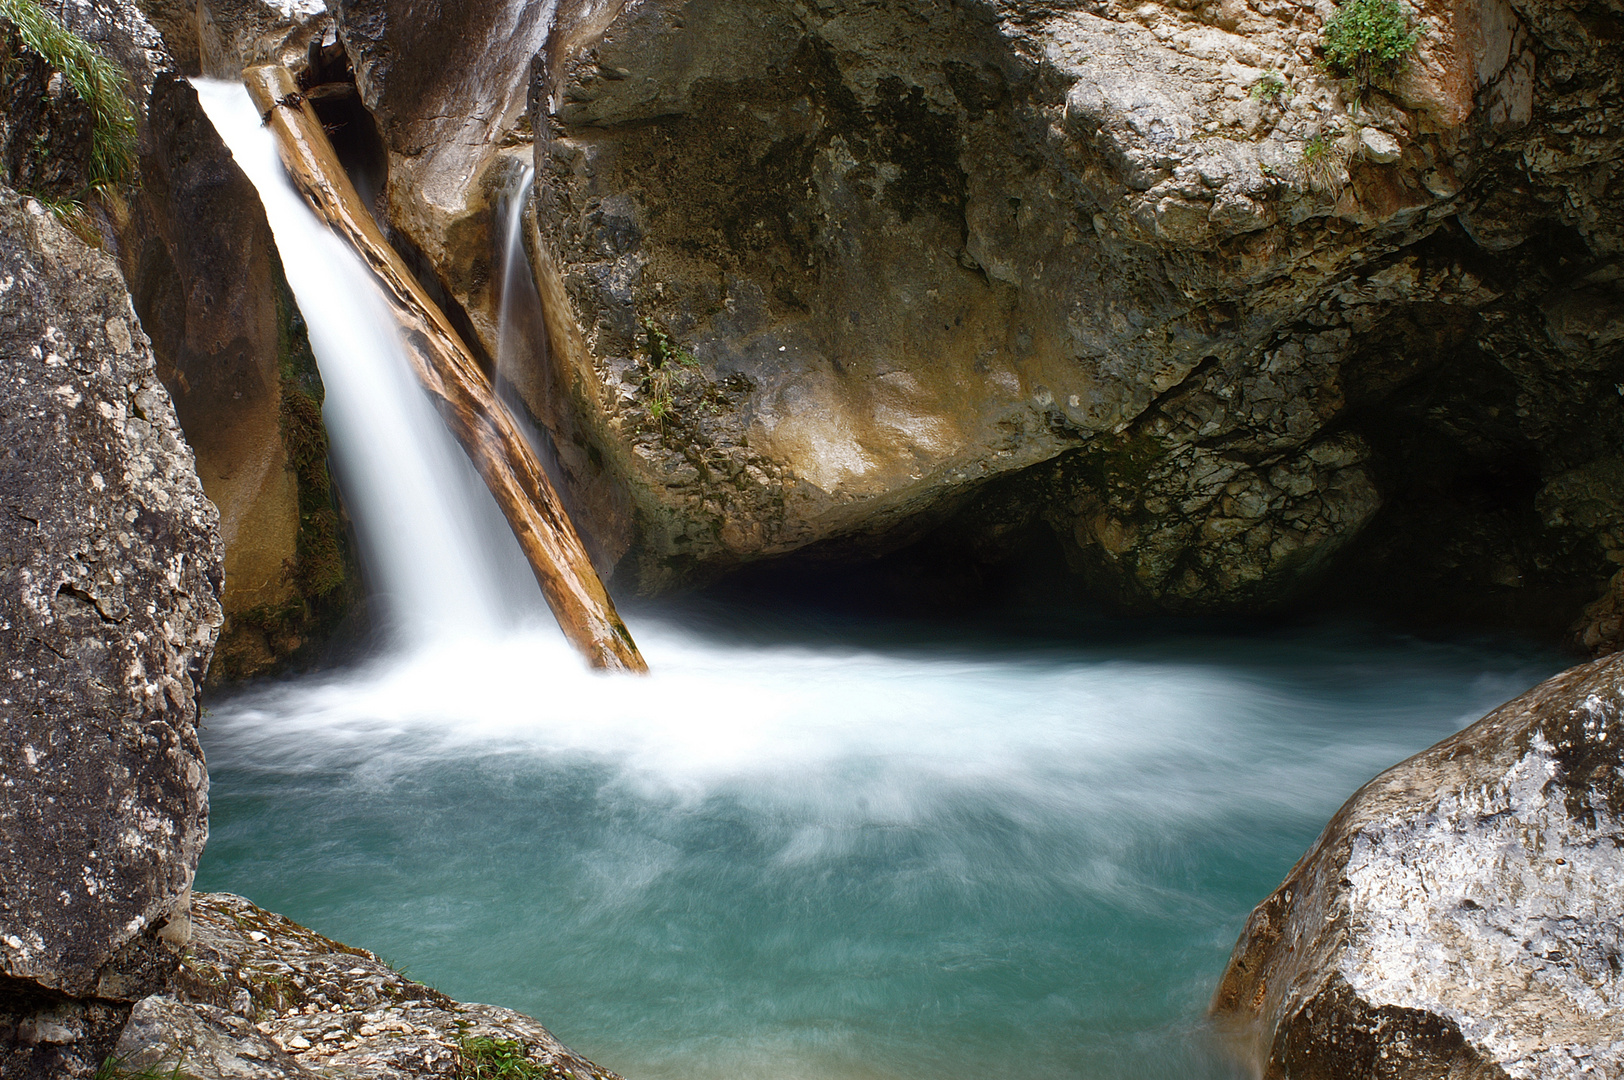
(113, 1069)
(483, 1058)
(1271, 86)
(98, 82)
(1322, 163)
(666, 363)
(1367, 41)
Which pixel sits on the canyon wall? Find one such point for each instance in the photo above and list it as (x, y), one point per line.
(1143, 275)
(1144, 286)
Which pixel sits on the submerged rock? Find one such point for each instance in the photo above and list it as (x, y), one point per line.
(262, 997)
(1463, 915)
(109, 584)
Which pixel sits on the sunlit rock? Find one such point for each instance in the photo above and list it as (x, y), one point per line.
(261, 997)
(1461, 915)
(910, 248)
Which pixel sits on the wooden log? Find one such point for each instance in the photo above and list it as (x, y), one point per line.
(448, 370)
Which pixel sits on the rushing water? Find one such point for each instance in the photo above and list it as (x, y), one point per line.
(827, 849)
(435, 547)
(805, 847)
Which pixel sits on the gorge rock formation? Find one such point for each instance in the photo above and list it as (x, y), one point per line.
(1141, 282)
(1459, 916)
(110, 559)
(206, 282)
(1148, 260)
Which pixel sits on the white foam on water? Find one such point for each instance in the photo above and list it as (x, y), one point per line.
(838, 738)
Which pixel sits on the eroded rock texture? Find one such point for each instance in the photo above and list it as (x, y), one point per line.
(1460, 916)
(263, 998)
(912, 247)
(109, 585)
(205, 277)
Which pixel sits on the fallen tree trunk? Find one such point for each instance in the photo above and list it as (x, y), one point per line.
(454, 380)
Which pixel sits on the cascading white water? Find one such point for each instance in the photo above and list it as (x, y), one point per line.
(517, 283)
(433, 542)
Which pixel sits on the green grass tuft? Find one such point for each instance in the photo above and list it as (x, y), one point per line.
(1323, 163)
(1272, 86)
(484, 1058)
(113, 1069)
(99, 83)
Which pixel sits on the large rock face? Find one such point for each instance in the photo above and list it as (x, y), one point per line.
(1140, 278)
(206, 280)
(206, 288)
(1463, 915)
(912, 246)
(109, 584)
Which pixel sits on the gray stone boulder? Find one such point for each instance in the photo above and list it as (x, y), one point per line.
(109, 583)
(1462, 916)
(1140, 271)
(914, 247)
(263, 998)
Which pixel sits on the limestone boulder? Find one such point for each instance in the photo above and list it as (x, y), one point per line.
(111, 568)
(1461, 916)
(818, 275)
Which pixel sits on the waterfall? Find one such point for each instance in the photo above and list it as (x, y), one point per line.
(434, 546)
(518, 285)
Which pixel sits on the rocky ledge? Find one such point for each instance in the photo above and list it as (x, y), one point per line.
(1460, 916)
(259, 996)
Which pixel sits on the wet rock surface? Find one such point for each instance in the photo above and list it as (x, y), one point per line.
(260, 996)
(110, 558)
(207, 281)
(1460, 916)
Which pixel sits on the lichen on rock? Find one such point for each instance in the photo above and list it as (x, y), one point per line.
(261, 997)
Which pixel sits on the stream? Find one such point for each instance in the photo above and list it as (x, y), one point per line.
(811, 845)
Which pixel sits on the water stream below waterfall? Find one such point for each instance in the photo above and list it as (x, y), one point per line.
(816, 848)
(809, 845)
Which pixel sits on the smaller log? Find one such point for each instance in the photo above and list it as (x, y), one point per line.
(451, 375)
